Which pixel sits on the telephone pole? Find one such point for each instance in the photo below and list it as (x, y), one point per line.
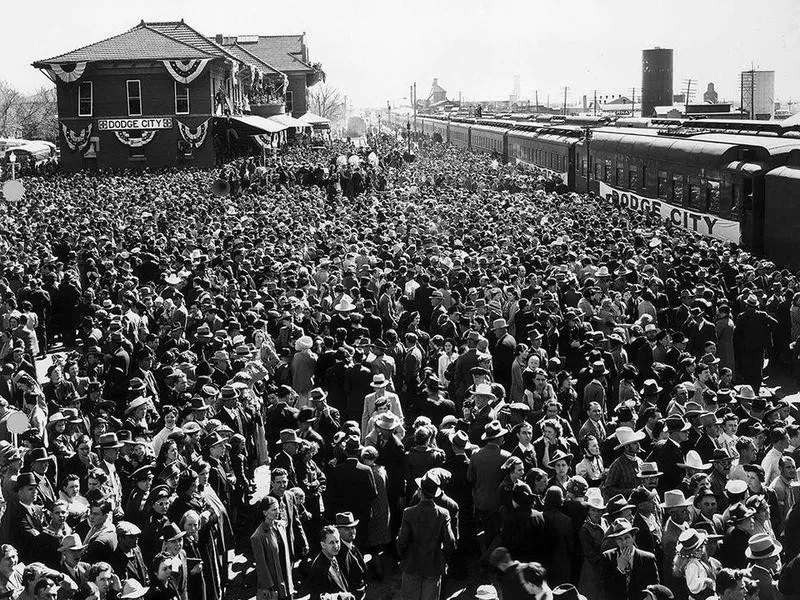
(415, 108)
(595, 103)
(565, 100)
(537, 101)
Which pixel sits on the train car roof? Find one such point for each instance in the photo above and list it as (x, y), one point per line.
(702, 153)
(773, 145)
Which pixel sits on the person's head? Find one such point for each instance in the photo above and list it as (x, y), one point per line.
(162, 566)
(500, 559)
(45, 589)
(270, 509)
(99, 511)
(707, 503)
(58, 514)
(787, 468)
(100, 574)
(330, 541)
(83, 447)
(524, 433)
(730, 584)
(595, 411)
(280, 481)
(779, 439)
(532, 578)
(8, 560)
(551, 429)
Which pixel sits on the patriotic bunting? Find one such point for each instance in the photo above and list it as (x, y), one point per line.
(135, 142)
(77, 141)
(196, 136)
(68, 76)
(186, 71)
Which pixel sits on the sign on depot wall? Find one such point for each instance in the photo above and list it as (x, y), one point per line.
(132, 123)
(702, 223)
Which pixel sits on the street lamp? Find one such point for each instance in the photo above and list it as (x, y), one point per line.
(13, 160)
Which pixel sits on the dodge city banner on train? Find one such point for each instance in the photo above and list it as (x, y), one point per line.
(702, 223)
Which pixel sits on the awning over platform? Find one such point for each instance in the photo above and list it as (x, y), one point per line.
(313, 119)
(251, 124)
(289, 121)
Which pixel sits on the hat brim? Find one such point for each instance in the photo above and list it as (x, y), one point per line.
(485, 437)
(566, 457)
(646, 475)
(684, 504)
(777, 548)
(111, 446)
(632, 530)
(378, 385)
(638, 437)
(73, 549)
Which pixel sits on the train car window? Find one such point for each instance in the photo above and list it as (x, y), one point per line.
(712, 200)
(583, 167)
(621, 176)
(597, 174)
(633, 177)
(608, 171)
(644, 177)
(662, 189)
(677, 189)
(693, 195)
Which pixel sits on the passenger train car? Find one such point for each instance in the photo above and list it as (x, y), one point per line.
(738, 181)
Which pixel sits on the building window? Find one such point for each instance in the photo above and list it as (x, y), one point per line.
(181, 99)
(134, 98)
(620, 176)
(289, 103)
(608, 171)
(712, 197)
(85, 99)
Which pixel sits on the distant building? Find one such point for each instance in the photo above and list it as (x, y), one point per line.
(437, 94)
(656, 79)
(710, 95)
(758, 94)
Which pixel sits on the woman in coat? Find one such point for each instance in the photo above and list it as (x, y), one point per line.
(559, 536)
(725, 330)
(271, 555)
(591, 536)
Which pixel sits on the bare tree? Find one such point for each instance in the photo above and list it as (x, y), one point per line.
(33, 117)
(326, 101)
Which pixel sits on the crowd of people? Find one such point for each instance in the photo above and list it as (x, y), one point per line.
(451, 368)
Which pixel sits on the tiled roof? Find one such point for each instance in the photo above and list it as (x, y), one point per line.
(139, 43)
(246, 57)
(182, 32)
(282, 52)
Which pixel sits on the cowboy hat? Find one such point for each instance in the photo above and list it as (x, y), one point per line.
(648, 469)
(345, 305)
(627, 436)
(594, 499)
(745, 392)
(674, 499)
(132, 589)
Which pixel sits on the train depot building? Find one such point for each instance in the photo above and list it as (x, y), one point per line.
(163, 94)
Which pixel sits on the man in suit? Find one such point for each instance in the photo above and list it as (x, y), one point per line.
(284, 459)
(667, 454)
(424, 543)
(503, 353)
(734, 546)
(40, 462)
(218, 478)
(350, 558)
(351, 487)
(23, 519)
(462, 379)
(127, 560)
(627, 570)
(101, 541)
(325, 575)
(751, 338)
(119, 368)
(676, 508)
(295, 535)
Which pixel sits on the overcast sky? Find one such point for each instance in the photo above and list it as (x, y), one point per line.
(372, 50)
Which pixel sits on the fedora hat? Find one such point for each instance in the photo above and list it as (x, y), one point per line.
(212, 439)
(226, 392)
(499, 324)
(651, 388)
(204, 332)
(57, 417)
(761, 545)
(617, 504)
(559, 455)
(25, 480)
(346, 519)
(567, 591)
(691, 538)
(751, 300)
(693, 409)
(221, 355)
(486, 592)
(71, 542)
(171, 532)
(648, 469)
(388, 421)
(304, 342)
(693, 461)
(594, 499)
(430, 483)
(136, 403)
(289, 436)
(108, 441)
(676, 423)
(141, 473)
(599, 368)
(745, 392)
(132, 589)
(199, 403)
(345, 305)
(484, 389)
(316, 394)
(620, 527)
(379, 381)
(493, 430)
(674, 499)
(720, 454)
(627, 436)
(739, 512)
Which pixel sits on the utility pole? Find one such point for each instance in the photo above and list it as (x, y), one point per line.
(752, 91)
(565, 100)
(415, 108)
(537, 101)
(595, 105)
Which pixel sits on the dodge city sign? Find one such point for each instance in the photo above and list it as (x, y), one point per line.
(124, 124)
(702, 223)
